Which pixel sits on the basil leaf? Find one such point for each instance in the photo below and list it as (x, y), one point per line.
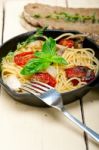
(48, 49)
(49, 46)
(59, 60)
(44, 58)
(43, 55)
(40, 54)
(35, 65)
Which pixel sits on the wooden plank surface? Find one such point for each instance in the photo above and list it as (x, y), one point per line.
(1, 20)
(25, 127)
(91, 114)
(14, 10)
(83, 3)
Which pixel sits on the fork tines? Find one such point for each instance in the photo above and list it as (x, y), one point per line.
(36, 87)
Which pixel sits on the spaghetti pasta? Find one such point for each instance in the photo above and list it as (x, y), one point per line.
(83, 58)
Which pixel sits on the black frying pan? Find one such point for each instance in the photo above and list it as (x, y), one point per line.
(67, 96)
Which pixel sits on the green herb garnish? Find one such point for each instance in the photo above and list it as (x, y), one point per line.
(48, 16)
(43, 58)
(36, 16)
(68, 17)
(9, 56)
(32, 38)
(93, 18)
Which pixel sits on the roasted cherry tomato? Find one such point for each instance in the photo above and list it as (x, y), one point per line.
(82, 72)
(45, 78)
(22, 58)
(69, 43)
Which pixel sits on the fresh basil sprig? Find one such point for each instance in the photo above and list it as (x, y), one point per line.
(38, 33)
(43, 58)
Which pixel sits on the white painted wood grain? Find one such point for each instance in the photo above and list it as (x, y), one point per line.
(13, 10)
(53, 2)
(91, 113)
(83, 3)
(24, 127)
(1, 20)
(91, 100)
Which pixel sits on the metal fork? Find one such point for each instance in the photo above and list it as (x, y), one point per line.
(54, 99)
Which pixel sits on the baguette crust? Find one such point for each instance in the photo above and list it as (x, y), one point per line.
(44, 10)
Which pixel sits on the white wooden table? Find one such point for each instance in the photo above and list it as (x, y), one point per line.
(31, 128)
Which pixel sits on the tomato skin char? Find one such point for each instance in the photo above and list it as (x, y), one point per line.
(82, 72)
(45, 78)
(69, 43)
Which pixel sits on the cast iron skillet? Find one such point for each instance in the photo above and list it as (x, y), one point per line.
(67, 96)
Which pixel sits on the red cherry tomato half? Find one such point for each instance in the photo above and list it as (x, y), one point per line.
(22, 58)
(68, 43)
(45, 78)
(84, 73)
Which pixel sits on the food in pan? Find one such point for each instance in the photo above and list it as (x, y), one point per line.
(60, 62)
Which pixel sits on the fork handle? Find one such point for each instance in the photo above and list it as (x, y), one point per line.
(92, 133)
